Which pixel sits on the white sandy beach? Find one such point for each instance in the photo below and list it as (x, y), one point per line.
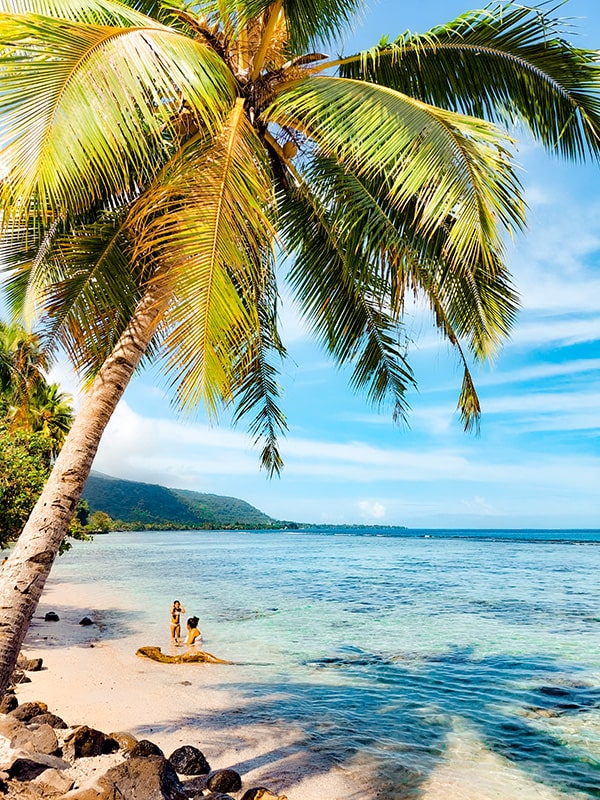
(102, 683)
(106, 686)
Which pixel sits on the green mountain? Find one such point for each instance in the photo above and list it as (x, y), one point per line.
(143, 506)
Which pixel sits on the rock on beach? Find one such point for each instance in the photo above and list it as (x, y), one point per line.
(43, 758)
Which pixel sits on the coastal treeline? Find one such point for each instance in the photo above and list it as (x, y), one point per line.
(141, 213)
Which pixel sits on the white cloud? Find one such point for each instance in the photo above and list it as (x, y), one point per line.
(371, 510)
(189, 456)
(478, 506)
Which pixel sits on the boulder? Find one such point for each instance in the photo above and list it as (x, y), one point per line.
(83, 793)
(54, 782)
(85, 742)
(27, 711)
(8, 703)
(150, 778)
(26, 769)
(224, 780)
(29, 664)
(52, 616)
(260, 793)
(212, 796)
(126, 741)
(188, 760)
(144, 749)
(41, 738)
(86, 621)
(18, 677)
(9, 725)
(50, 719)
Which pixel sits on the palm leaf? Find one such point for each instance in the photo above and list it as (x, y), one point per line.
(479, 302)
(257, 391)
(346, 311)
(382, 253)
(84, 107)
(93, 290)
(442, 164)
(311, 22)
(206, 225)
(93, 12)
(507, 63)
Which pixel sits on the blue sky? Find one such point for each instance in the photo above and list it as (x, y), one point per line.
(536, 462)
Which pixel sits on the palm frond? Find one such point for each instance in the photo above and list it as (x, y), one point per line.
(258, 391)
(507, 63)
(479, 302)
(208, 225)
(313, 22)
(345, 305)
(93, 12)
(441, 164)
(84, 107)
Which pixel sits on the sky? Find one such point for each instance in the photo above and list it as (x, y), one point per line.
(536, 462)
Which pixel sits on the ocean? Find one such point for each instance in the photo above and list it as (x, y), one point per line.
(386, 648)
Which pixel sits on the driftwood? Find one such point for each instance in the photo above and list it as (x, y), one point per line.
(156, 654)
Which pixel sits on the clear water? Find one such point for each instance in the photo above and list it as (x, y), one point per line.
(382, 646)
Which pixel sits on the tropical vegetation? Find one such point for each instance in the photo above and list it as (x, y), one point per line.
(157, 156)
(131, 505)
(35, 417)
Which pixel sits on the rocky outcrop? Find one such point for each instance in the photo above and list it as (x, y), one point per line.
(29, 664)
(27, 711)
(260, 793)
(144, 749)
(40, 760)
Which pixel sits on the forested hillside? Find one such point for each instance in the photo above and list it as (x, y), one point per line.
(139, 506)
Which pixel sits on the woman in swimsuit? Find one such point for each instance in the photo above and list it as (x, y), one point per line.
(176, 611)
(193, 632)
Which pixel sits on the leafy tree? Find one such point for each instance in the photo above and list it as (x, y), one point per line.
(155, 154)
(49, 412)
(34, 420)
(23, 363)
(24, 469)
(99, 522)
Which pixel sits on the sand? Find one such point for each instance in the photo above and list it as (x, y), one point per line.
(93, 679)
(90, 679)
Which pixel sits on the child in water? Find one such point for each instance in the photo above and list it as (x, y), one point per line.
(193, 632)
(176, 611)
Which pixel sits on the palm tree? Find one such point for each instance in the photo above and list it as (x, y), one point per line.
(27, 401)
(156, 157)
(23, 363)
(50, 412)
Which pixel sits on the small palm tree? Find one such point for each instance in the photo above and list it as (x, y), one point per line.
(23, 363)
(50, 412)
(157, 156)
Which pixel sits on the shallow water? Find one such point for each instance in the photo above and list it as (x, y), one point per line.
(384, 648)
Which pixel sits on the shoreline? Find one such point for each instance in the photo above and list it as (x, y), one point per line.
(92, 676)
(87, 678)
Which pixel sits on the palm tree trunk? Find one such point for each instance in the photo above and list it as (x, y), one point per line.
(23, 576)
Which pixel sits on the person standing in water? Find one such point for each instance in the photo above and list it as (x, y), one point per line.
(176, 611)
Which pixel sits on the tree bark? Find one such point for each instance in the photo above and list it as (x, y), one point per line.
(23, 576)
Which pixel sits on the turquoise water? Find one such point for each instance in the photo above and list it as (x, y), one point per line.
(382, 646)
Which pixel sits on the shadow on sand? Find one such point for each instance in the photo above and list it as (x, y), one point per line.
(406, 708)
(108, 624)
